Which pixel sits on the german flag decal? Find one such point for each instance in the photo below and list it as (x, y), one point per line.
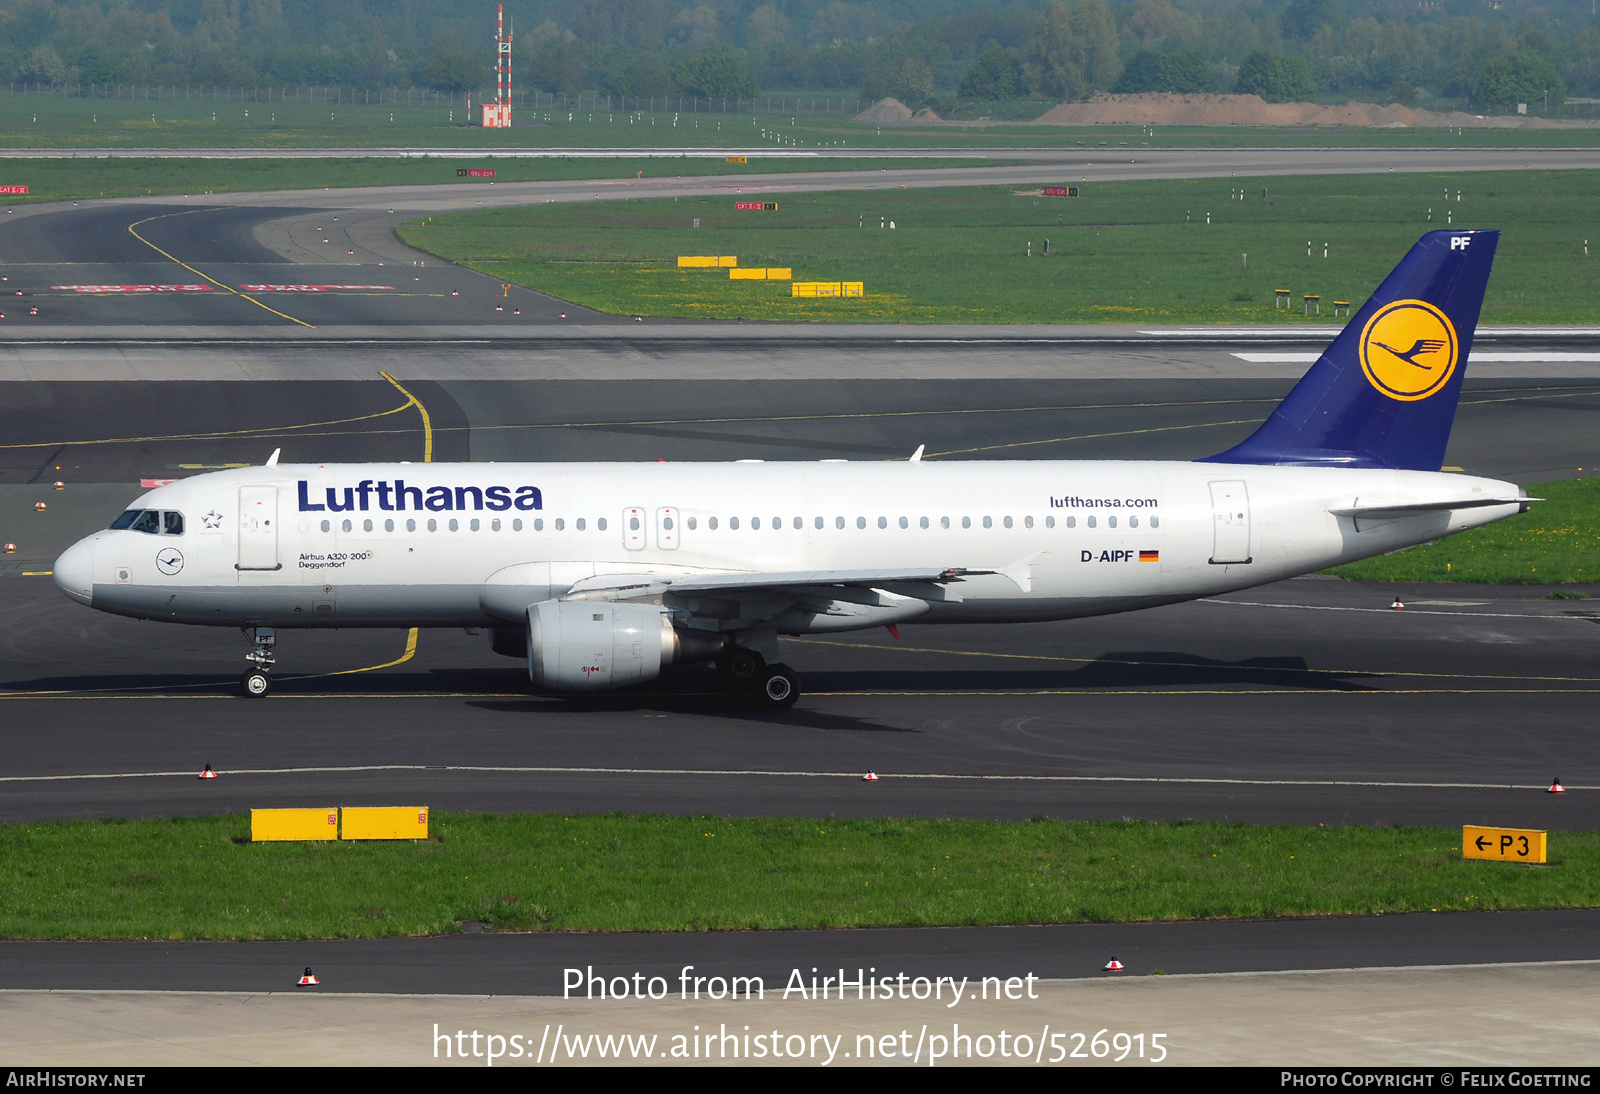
(1149, 556)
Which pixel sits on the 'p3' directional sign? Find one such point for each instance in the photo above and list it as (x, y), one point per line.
(1503, 844)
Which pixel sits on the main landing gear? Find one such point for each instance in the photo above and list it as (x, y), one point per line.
(773, 686)
(255, 682)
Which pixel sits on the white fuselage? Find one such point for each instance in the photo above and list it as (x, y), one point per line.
(474, 544)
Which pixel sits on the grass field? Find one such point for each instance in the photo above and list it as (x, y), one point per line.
(201, 878)
(1137, 252)
(1556, 541)
(72, 179)
(196, 119)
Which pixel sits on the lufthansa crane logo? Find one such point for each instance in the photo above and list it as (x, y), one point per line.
(169, 560)
(1409, 350)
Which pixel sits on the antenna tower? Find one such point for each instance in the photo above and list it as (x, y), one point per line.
(498, 114)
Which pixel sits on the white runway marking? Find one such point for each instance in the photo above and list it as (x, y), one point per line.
(1403, 611)
(747, 773)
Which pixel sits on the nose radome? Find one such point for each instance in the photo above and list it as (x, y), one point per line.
(74, 572)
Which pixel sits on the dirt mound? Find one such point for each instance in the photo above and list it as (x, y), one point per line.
(926, 116)
(1176, 109)
(886, 112)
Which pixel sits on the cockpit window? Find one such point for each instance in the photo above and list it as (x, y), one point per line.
(152, 521)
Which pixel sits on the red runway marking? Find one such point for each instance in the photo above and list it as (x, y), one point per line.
(309, 288)
(133, 288)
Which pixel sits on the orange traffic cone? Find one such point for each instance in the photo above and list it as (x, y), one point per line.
(1556, 787)
(307, 978)
(1111, 966)
(208, 773)
(869, 777)
(1397, 605)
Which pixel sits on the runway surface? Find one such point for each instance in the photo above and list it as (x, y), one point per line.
(533, 964)
(304, 260)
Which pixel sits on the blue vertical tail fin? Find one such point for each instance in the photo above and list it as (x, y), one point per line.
(1384, 393)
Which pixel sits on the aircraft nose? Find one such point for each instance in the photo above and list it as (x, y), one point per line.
(74, 572)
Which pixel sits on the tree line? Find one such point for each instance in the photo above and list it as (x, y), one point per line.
(952, 54)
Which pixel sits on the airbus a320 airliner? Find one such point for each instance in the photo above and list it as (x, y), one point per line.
(601, 575)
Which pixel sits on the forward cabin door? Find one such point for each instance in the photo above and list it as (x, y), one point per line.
(258, 528)
(1230, 517)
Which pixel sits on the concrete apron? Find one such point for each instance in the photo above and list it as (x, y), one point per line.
(1543, 1014)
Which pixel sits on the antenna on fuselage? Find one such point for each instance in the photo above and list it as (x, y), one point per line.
(272, 460)
(916, 457)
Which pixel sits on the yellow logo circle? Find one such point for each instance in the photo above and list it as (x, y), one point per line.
(1409, 350)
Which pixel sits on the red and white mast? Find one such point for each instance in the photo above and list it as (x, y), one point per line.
(499, 115)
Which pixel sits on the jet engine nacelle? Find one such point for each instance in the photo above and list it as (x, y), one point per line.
(581, 645)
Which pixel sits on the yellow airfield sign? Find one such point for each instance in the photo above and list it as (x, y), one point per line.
(1503, 844)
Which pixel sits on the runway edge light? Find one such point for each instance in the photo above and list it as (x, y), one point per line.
(1556, 787)
(1111, 966)
(307, 978)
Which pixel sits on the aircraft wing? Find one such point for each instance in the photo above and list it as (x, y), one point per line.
(786, 583)
(706, 583)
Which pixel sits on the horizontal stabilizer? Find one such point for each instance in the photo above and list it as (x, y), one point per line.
(1382, 512)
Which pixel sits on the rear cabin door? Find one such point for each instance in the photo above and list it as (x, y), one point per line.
(258, 528)
(1230, 517)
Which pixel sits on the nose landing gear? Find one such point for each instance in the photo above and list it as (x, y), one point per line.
(255, 682)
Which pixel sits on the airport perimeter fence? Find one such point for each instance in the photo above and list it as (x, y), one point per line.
(333, 95)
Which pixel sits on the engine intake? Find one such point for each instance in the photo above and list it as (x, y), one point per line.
(578, 645)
